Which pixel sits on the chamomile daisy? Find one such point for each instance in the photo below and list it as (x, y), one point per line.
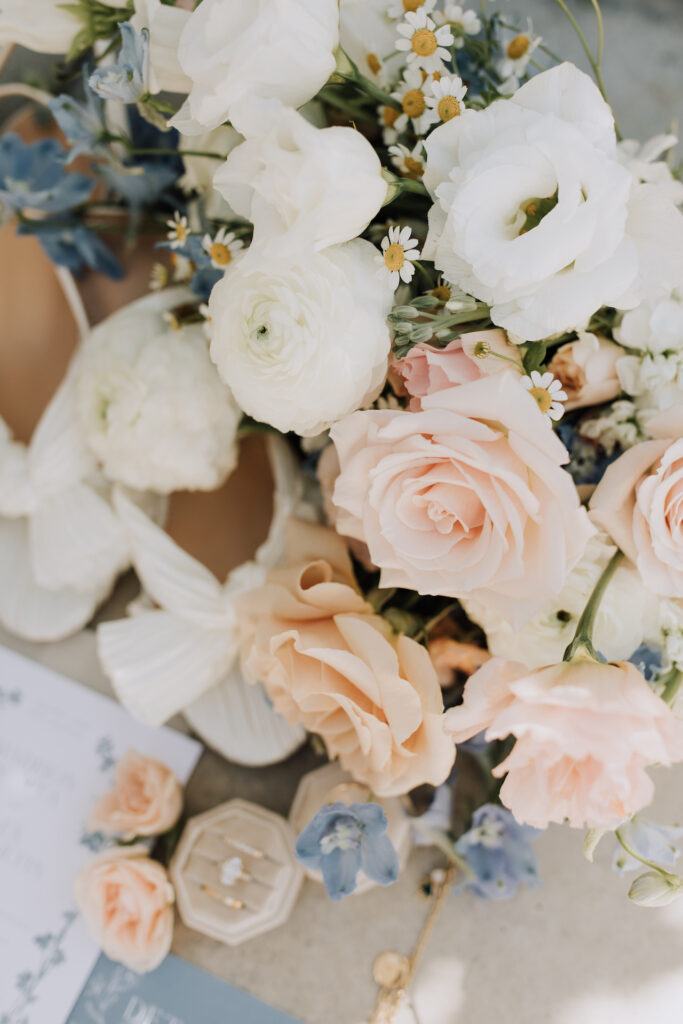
(409, 162)
(547, 392)
(387, 117)
(222, 248)
(518, 51)
(424, 43)
(179, 230)
(446, 101)
(465, 23)
(410, 94)
(399, 8)
(158, 277)
(399, 250)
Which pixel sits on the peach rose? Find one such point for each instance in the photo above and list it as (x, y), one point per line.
(465, 497)
(146, 800)
(639, 502)
(585, 732)
(449, 656)
(127, 902)
(426, 369)
(587, 370)
(328, 663)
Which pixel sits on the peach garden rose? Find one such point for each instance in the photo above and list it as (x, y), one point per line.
(146, 800)
(464, 497)
(127, 902)
(328, 663)
(427, 369)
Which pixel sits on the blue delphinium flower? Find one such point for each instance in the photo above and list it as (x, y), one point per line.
(656, 843)
(205, 275)
(128, 79)
(32, 176)
(82, 123)
(341, 840)
(499, 853)
(74, 247)
(648, 661)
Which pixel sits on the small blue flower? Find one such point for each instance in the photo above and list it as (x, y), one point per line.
(648, 661)
(32, 177)
(499, 853)
(128, 79)
(656, 843)
(341, 840)
(82, 124)
(74, 247)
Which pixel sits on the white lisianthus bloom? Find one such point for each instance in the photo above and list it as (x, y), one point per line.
(324, 184)
(535, 214)
(643, 161)
(153, 409)
(626, 617)
(236, 48)
(165, 25)
(300, 336)
(45, 26)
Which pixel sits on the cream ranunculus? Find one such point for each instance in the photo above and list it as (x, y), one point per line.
(465, 498)
(325, 184)
(301, 336)
(127, 902)
(152, 407)
(237, 48)
(535, 214)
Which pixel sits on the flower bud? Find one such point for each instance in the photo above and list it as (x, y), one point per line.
(655, 890)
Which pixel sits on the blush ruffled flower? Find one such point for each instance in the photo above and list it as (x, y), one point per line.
(146, 800)
(585, 732)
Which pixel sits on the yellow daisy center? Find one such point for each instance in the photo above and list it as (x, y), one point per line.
(220, 254)
(517, 47)
(413, 168)
(389, 116)
(181, 232)
(374, 63)
(395, 256)
(412, 5)
(442, 292)
(413, 103)
(542, 397)
(424, 42)
(448, 107)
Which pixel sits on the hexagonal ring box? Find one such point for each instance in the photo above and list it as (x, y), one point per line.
(234, 872)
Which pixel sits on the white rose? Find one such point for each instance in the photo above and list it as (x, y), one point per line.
(165, 25)
(301, 337)
(626, 616)
(606, 240)
(199, 170)
(326, 183)
(152, 406)
(236, 48)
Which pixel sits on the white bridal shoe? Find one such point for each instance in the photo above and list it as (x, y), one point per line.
(178, 649)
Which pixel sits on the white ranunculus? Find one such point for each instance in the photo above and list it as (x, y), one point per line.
(300, 336)
(44, 26)
(626, 616)
(236, 48)
(607, 240)
(165, 25)
(324, 183)
(153, 409)
(199, 170)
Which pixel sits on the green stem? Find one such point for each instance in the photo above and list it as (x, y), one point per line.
(361, 81)
(409, 185)
(583, 638)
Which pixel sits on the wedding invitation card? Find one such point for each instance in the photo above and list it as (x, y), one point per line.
(59, 743)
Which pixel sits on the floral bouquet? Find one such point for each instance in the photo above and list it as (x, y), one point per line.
(392, 430)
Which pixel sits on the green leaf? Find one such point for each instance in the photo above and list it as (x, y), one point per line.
(534, 356)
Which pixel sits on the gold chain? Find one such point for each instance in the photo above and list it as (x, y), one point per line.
(391, 995)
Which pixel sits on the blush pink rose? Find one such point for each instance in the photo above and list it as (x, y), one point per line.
(587, 370)
(585, 733)
(146, 800)
(465, 497)
(328, 663)
(639, 502)
(127, 902)
(426, 369)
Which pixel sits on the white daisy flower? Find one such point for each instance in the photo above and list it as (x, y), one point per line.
(399, 249)
(409, 162)
(183, 268)
(410, 94)
(158, 277)
(446, 100)
(424, 43)
(465, 21)
(222, 248)
(547, 392)
(399, 8)
(387, 117)
(518, 53)
(179, 231)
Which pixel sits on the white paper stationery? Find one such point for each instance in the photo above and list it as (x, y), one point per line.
(58, 745)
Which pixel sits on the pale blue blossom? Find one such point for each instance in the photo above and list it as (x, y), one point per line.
(128, 79)
(499, 853)
(33, 177)
(651, 842)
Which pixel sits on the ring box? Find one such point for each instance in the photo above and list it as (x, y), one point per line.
(267, 888)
